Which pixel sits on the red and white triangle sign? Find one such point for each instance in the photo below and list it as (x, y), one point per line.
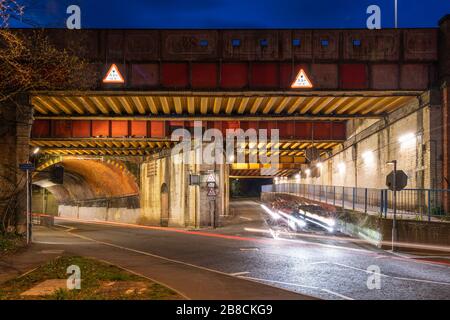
(113, 75)
(212, 192)
(302, 81)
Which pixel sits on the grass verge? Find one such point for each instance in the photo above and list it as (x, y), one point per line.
(10, 243)
(100, 281)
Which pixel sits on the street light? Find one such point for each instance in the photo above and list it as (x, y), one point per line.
(396, 13)
(36, 150)
(394, 219)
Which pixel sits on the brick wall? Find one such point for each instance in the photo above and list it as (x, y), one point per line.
(410, 135)
(15, 126)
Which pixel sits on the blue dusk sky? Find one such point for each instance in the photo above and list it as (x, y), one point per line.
(232, 13)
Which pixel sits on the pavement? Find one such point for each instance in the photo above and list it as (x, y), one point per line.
(244, 260)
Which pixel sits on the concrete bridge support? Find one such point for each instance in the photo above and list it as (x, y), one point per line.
(444, 75)
(168, 198)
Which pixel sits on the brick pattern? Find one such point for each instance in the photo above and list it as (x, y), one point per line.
(15, 129)
(262, 59)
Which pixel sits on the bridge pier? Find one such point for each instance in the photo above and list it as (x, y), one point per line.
(444, 74)
(15, 128)
(167, 197)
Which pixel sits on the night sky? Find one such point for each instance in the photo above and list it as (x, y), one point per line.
(233, 13)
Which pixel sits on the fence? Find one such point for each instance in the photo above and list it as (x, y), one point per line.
(420, 204)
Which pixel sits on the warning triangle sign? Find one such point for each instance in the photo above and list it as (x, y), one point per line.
(301, 81)
(113, 75)
(211, 178)
(212, 193)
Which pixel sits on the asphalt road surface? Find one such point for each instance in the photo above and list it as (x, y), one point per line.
(311, 263)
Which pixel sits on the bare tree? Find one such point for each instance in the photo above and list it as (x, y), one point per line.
(9, 9)
(29, 61)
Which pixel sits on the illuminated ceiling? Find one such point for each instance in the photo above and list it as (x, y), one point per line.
(141, 104)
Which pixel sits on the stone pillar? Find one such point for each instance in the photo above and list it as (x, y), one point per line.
(15, 129)
(444, 78)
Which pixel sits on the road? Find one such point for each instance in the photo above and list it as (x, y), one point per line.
(311, 263)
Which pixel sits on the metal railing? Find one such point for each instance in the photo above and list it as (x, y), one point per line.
(419, 204)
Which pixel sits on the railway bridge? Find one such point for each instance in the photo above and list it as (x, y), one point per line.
(343, 103)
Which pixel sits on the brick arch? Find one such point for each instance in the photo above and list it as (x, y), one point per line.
(86, 179)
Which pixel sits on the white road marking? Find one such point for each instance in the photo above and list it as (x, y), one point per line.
(59, 243)
(281, 282)
(52, 251)
(239, 273)
(318, 262)
(337, 294)
(249, 249)
(300, 285)
(246, 218)
(393, 277)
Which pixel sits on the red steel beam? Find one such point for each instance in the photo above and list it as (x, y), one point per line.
(295, 130)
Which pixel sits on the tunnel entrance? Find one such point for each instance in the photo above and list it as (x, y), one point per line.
(92, 189)
(247, 187)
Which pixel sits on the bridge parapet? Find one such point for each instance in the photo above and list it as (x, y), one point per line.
(402, 59)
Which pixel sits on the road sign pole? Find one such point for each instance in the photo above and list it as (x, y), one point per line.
(28, 167)
(394, 219)
(28, 206)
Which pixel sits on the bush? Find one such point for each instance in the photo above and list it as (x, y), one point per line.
(10, 242)
(437, 211)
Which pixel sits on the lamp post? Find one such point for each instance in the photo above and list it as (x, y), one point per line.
(394, 205)
(396, 13)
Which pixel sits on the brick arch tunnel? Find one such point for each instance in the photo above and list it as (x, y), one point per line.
(93, 189)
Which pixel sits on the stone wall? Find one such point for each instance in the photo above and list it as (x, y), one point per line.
(124, 215)
(44, 202)
(188, 205)
(410, 135)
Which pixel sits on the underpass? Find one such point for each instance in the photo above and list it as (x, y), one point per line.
(325, 109)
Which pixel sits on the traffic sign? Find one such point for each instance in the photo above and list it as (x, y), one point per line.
(401, 180)
(57, 174)
(26, 167)
(211, 184)
(211, 177)
(302, 81)
(212, 192)
(194, 179)
(113, 75)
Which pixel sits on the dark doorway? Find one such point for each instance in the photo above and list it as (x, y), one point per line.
(164, 205)
(248, 187)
